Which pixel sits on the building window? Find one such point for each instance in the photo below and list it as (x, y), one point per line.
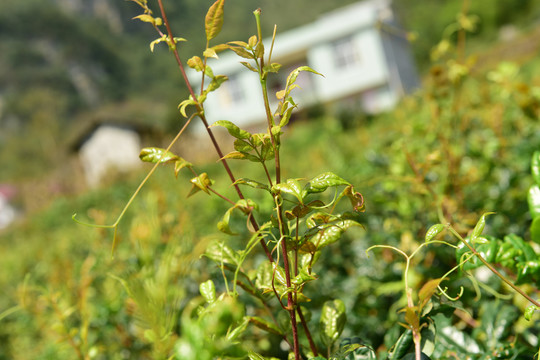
(231, 92)
(345, 52)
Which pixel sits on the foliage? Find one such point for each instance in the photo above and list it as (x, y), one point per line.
(297, 277)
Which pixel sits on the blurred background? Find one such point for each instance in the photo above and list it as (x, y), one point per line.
(69, 66)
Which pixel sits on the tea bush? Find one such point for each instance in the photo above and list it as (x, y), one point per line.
(300, 267)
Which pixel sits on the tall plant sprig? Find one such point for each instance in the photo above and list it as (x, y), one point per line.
(315, 224)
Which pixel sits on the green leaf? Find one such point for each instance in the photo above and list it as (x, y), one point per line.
(216, 82)
(201, 182)
(323, 181)
(154, 155)
(529, 312)
(242, 52)
(196, 63)
(264, 325)
(180, 164)
(333, 319)
(157, 41)
(249, 66)
(292, 187)
(252, 183)
(330, 233)
(479, 226)
(433, 231)
(401, 346)
(221, 253)
(233, 129)
(528, 253)
(210, 53)
(273, 67)
(208, 291)
(182, 106)
(535, 167)
(533, 198)
(214, 19)
(242, 145)
(294, 74)
(223, 224)
(535, 230)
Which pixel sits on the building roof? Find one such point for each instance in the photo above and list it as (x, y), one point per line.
(330, 26)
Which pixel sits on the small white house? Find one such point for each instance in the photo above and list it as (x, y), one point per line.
(362, 53)
(107, 146)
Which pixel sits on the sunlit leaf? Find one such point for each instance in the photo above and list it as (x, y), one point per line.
(221, 253)
(249, 66)
(201, 182)
(223, 224)
(216, 82)
(433, 231)
(196, 63)
(292, 187)
(533, 198)
(210, 53)
(323, 181)
(233, 129)
(184, 104)
(180, 164)
(214, 19)
(154, 155)
(252, 183)
(529, 312)
(479, 228)
(535, 230)
(333, 319)
(208, 291)
(427, 291)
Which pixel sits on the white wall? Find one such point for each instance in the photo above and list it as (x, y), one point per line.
(109, 147)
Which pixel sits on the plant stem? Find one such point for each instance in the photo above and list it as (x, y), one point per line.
(312, 345)
(493, 270)
(208, 130)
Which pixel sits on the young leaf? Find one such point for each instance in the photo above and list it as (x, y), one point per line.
(535, 230)
(292, 186)
(427, 291)
(252, 183)
(324, 181)
(221, 253)
(223, 224)
(208, 291)
(479, 226)
(233, 129)
(182, 106)
(529, 312)
(214, 19)
(535, 167)
(196, 63)
(356, 199)
(331, 233)
(201, 182)
(242, 52)
(210, 53)
(249, 66)
(216, 82)
(264, 325)
(180, 164)
(333, 318)
(154, 155)
(533, 198)
(433, 231)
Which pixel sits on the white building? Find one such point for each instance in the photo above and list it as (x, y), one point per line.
(363, 55)
(108, 146)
